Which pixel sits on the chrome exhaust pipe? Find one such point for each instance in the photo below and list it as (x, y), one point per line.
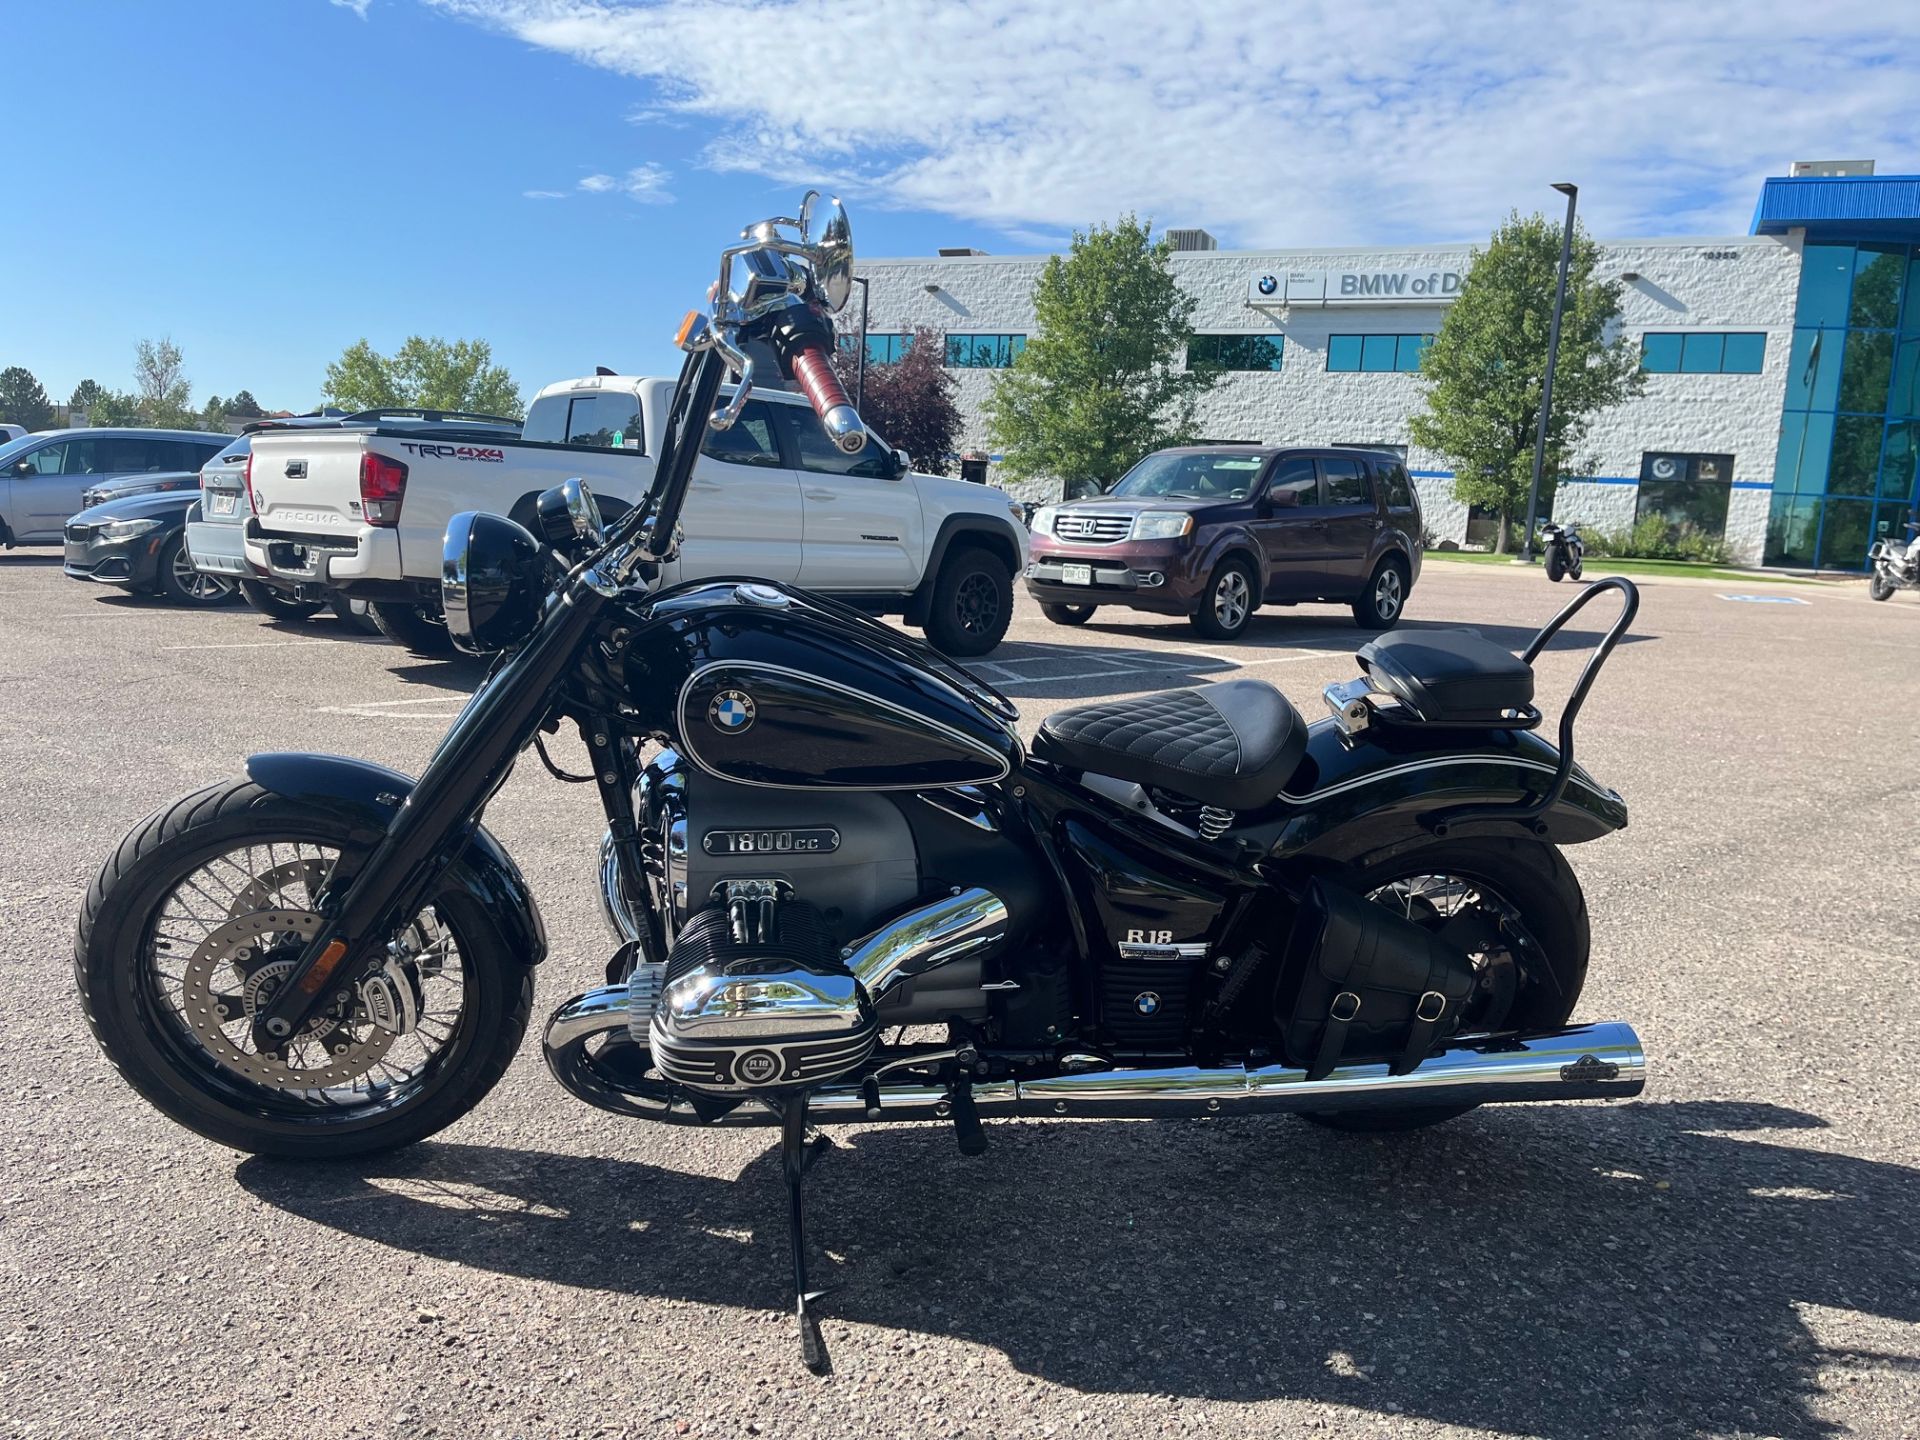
(1586, 1062)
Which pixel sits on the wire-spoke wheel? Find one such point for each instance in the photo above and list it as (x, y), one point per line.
(1516, 909)
(199, 918)
(184, 585)
(1229, 601)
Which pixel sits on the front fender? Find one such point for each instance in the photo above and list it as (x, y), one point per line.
(367, 796)
(1348, 800)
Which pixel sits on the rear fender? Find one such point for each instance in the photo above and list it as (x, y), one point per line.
(1373, 795)
(367, 796)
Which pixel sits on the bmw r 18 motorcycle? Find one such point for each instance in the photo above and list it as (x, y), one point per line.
(845, 890)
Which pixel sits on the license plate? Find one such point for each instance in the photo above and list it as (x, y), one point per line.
(218, 504)
(1076, 574)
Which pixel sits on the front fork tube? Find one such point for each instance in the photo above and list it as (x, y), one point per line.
(431, 827)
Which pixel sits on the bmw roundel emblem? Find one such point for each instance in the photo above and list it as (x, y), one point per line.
(731, 711)
(1269, 284)
(1147, 1003)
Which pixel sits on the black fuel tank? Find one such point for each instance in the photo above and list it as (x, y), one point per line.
(762, 684)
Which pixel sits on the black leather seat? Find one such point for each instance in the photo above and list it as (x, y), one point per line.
(1231, 744)
(1448, 674)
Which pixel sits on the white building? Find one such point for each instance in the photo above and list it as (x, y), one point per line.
(1324, 346)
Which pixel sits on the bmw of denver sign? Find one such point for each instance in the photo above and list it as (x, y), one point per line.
(1355, 287)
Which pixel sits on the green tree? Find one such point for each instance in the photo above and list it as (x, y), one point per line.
(1105, 380)
(213, 415)
(22, 401)
(161, 389)
(244, 407)
(1486, 370)
(86, 394)
(115, 407)
(431, 374)
(909, 401)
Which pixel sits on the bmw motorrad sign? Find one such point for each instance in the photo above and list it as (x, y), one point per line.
(731, 711)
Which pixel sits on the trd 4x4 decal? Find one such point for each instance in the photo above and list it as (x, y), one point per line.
(488, 453)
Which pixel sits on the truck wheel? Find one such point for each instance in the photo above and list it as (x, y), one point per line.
(1228, 602)
(276, 604)
(418, 627)
(1380, 604)
(972, 603)
(1068, 614)
(179, 582)
(355, 616)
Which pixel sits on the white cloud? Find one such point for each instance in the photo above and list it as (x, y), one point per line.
(358, 7)
(544, 194)
(1321, 124)
(645, 183)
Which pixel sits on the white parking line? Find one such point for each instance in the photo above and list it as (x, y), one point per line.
(250, 645)
(385, 709)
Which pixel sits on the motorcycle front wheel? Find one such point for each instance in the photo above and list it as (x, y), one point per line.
(1879, 587)
(1516, 908)
(199, 914)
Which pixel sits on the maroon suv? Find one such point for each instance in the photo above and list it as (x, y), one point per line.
(1213, 532)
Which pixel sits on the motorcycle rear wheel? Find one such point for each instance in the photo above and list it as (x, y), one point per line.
(191, 923)
(1542, 918)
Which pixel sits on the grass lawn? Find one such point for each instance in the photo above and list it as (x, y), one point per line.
(1598, 566)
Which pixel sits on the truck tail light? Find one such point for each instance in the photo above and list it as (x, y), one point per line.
(383, 485)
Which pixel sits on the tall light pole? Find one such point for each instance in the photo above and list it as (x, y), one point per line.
(860, 361)
(1572, 192)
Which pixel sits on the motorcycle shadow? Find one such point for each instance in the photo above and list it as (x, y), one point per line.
(1633, 1269)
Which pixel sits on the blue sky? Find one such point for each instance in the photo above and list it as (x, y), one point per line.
(267, 181)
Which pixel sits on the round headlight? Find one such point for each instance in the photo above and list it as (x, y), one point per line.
(491, 583)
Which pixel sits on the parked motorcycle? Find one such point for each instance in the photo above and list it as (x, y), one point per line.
(1896, 564)
(1562, 549)
(845, 891)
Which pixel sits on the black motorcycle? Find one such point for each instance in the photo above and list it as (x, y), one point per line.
(845, 890)
(1562, 550)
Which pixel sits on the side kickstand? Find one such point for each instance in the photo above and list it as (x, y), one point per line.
(796, 1158)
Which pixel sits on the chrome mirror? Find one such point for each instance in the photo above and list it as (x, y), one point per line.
(832, 256)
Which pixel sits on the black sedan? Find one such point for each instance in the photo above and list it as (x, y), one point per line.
(139, 542)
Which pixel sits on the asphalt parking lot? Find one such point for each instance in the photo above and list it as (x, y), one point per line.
(1736, 1254)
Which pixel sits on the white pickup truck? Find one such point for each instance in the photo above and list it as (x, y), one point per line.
(362, 508)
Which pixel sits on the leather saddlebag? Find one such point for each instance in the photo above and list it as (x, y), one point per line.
(1372, 985)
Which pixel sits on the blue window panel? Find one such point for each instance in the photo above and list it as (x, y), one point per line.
(1377, 352)
(1786, 457)
(1813, 369)
(1660, 354)
(1412, 347)
(983, 352)
(1877, 277)
(1903, 395)
(1746, 354)
(1826, 283)
(1236, 352)
(1910, 308)
(1343, 352)
(887, 349)
(1700, 353)
(1898, 458)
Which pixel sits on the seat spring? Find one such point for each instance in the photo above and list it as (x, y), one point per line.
(1214, 822)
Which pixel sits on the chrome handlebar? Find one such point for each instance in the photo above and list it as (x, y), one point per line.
(782, 272)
